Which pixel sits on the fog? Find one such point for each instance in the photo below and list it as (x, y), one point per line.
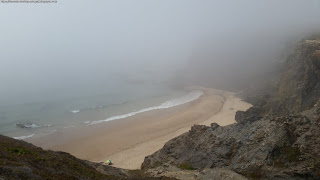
(75, 47)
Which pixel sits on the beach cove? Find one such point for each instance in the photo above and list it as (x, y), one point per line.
(127, 141)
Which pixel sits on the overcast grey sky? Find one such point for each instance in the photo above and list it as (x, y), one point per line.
(76, 43)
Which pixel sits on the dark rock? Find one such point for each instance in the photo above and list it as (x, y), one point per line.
(257, 149)
(205, 174)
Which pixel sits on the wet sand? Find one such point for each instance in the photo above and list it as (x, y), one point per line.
(127, 141)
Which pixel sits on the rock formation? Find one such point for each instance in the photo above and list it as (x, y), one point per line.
(278, 138)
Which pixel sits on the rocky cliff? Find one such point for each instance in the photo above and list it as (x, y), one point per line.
(294, 87)
(278, 138)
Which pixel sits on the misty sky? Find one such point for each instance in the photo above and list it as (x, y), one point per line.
(77, 44)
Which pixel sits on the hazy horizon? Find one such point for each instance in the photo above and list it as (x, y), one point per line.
(77, 48)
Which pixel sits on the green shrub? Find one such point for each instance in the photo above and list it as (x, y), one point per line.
(157, 164)
(18, 151)
(186, 166)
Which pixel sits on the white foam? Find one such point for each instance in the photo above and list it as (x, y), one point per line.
(87, 122)
(75, 111)
(69, 127)
(23, 137)
(53, 131)
(171, 103)
(28, 125)
(32, 126)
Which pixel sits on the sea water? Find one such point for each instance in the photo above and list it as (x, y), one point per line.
(25, 120)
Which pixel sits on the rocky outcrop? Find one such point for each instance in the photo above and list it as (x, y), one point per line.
(204, 174)
(21, 160)
(282, 147)
(278, 138)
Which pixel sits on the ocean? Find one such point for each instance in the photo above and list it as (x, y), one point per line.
(25, 120)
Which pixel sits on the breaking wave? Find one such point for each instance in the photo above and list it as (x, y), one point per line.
(168, 104)
(31, 125)
(75, 111)
(23, 137)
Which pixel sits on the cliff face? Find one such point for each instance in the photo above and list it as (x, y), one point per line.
(299, 87)
(292, 91)
(279, 137)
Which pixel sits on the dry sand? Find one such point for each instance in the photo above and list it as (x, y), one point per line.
(132, 158)
(127, 141)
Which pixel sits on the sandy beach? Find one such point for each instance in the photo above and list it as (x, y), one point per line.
(127, 141)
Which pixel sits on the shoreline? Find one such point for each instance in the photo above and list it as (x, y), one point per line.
(132, 158)
(127, 141)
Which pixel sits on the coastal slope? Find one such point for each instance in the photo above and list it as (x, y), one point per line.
(278, 138)
(21, 160)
